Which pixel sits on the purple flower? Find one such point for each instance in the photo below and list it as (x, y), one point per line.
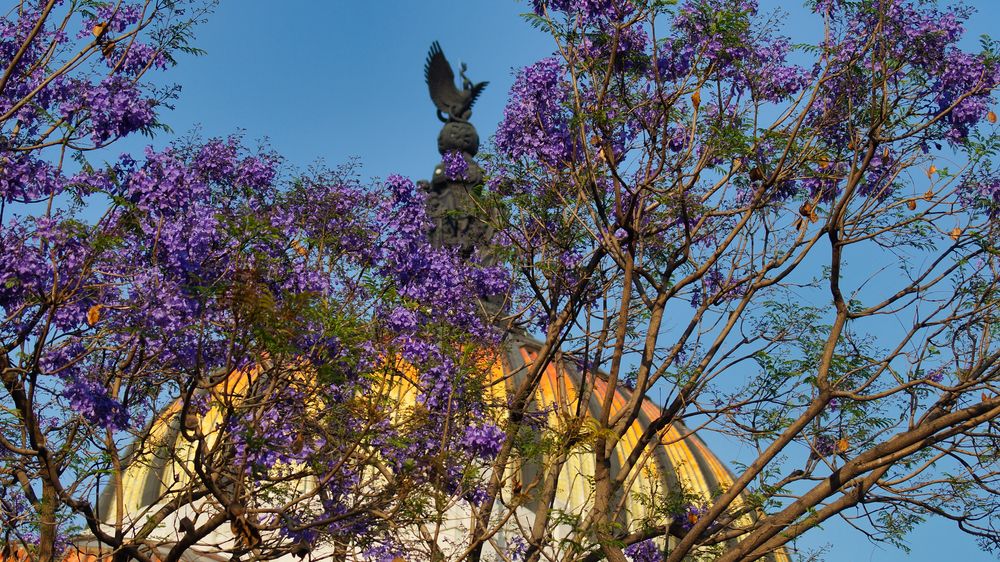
(824, 445)
(403, 321)
(135, 57)
(90, 400)
(535, 124)
(455, 166)
(936, 375)
(691, 514)
(483, 441)
(592, 11)
(112, 109)
(517, 547)
(643, 551)
(384, 552)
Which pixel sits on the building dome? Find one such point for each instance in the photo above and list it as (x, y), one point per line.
(160, 469)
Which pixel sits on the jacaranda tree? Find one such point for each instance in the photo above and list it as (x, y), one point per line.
(793, 247)
(135, 289)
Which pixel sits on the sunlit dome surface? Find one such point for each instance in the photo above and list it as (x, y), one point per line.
(160, 469)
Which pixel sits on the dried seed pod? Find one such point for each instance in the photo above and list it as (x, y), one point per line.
(931, 171)
(991, 117)
(696, 99)
(956, 233)
(929, 195)
(911, 205)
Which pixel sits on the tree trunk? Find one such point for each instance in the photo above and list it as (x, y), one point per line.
(47, 523)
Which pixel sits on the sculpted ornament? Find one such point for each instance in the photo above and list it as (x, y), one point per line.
(451, 198)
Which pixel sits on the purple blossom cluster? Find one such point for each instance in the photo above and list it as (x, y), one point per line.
(690, 515)
(919, 57)
(824, 445)
(456, 167)
(643, 551)
(26, 178)
(626, 46)
(117, 16)
(483, 441)
(89, 104)
(387, 551)
(517, 548)
(435, 278)
(207, 259)
(720, 33)
(535, 122)
(263, 439)
(826, 182)
(115, 108)
(90, 400)
(935, 375)
(588, 10)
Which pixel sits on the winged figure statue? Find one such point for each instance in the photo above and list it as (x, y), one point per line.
(450, 101)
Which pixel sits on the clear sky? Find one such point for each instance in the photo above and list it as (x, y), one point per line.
(333, 79)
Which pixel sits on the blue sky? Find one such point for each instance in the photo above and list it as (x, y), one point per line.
(336, 79)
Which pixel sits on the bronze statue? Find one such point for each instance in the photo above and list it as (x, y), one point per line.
(450, 101)
(452, 202)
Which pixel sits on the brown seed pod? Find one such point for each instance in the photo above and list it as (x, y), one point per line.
(956, 233)
(911, 205)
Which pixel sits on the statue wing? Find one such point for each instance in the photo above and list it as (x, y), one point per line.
(441, 81)
(476, 90)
